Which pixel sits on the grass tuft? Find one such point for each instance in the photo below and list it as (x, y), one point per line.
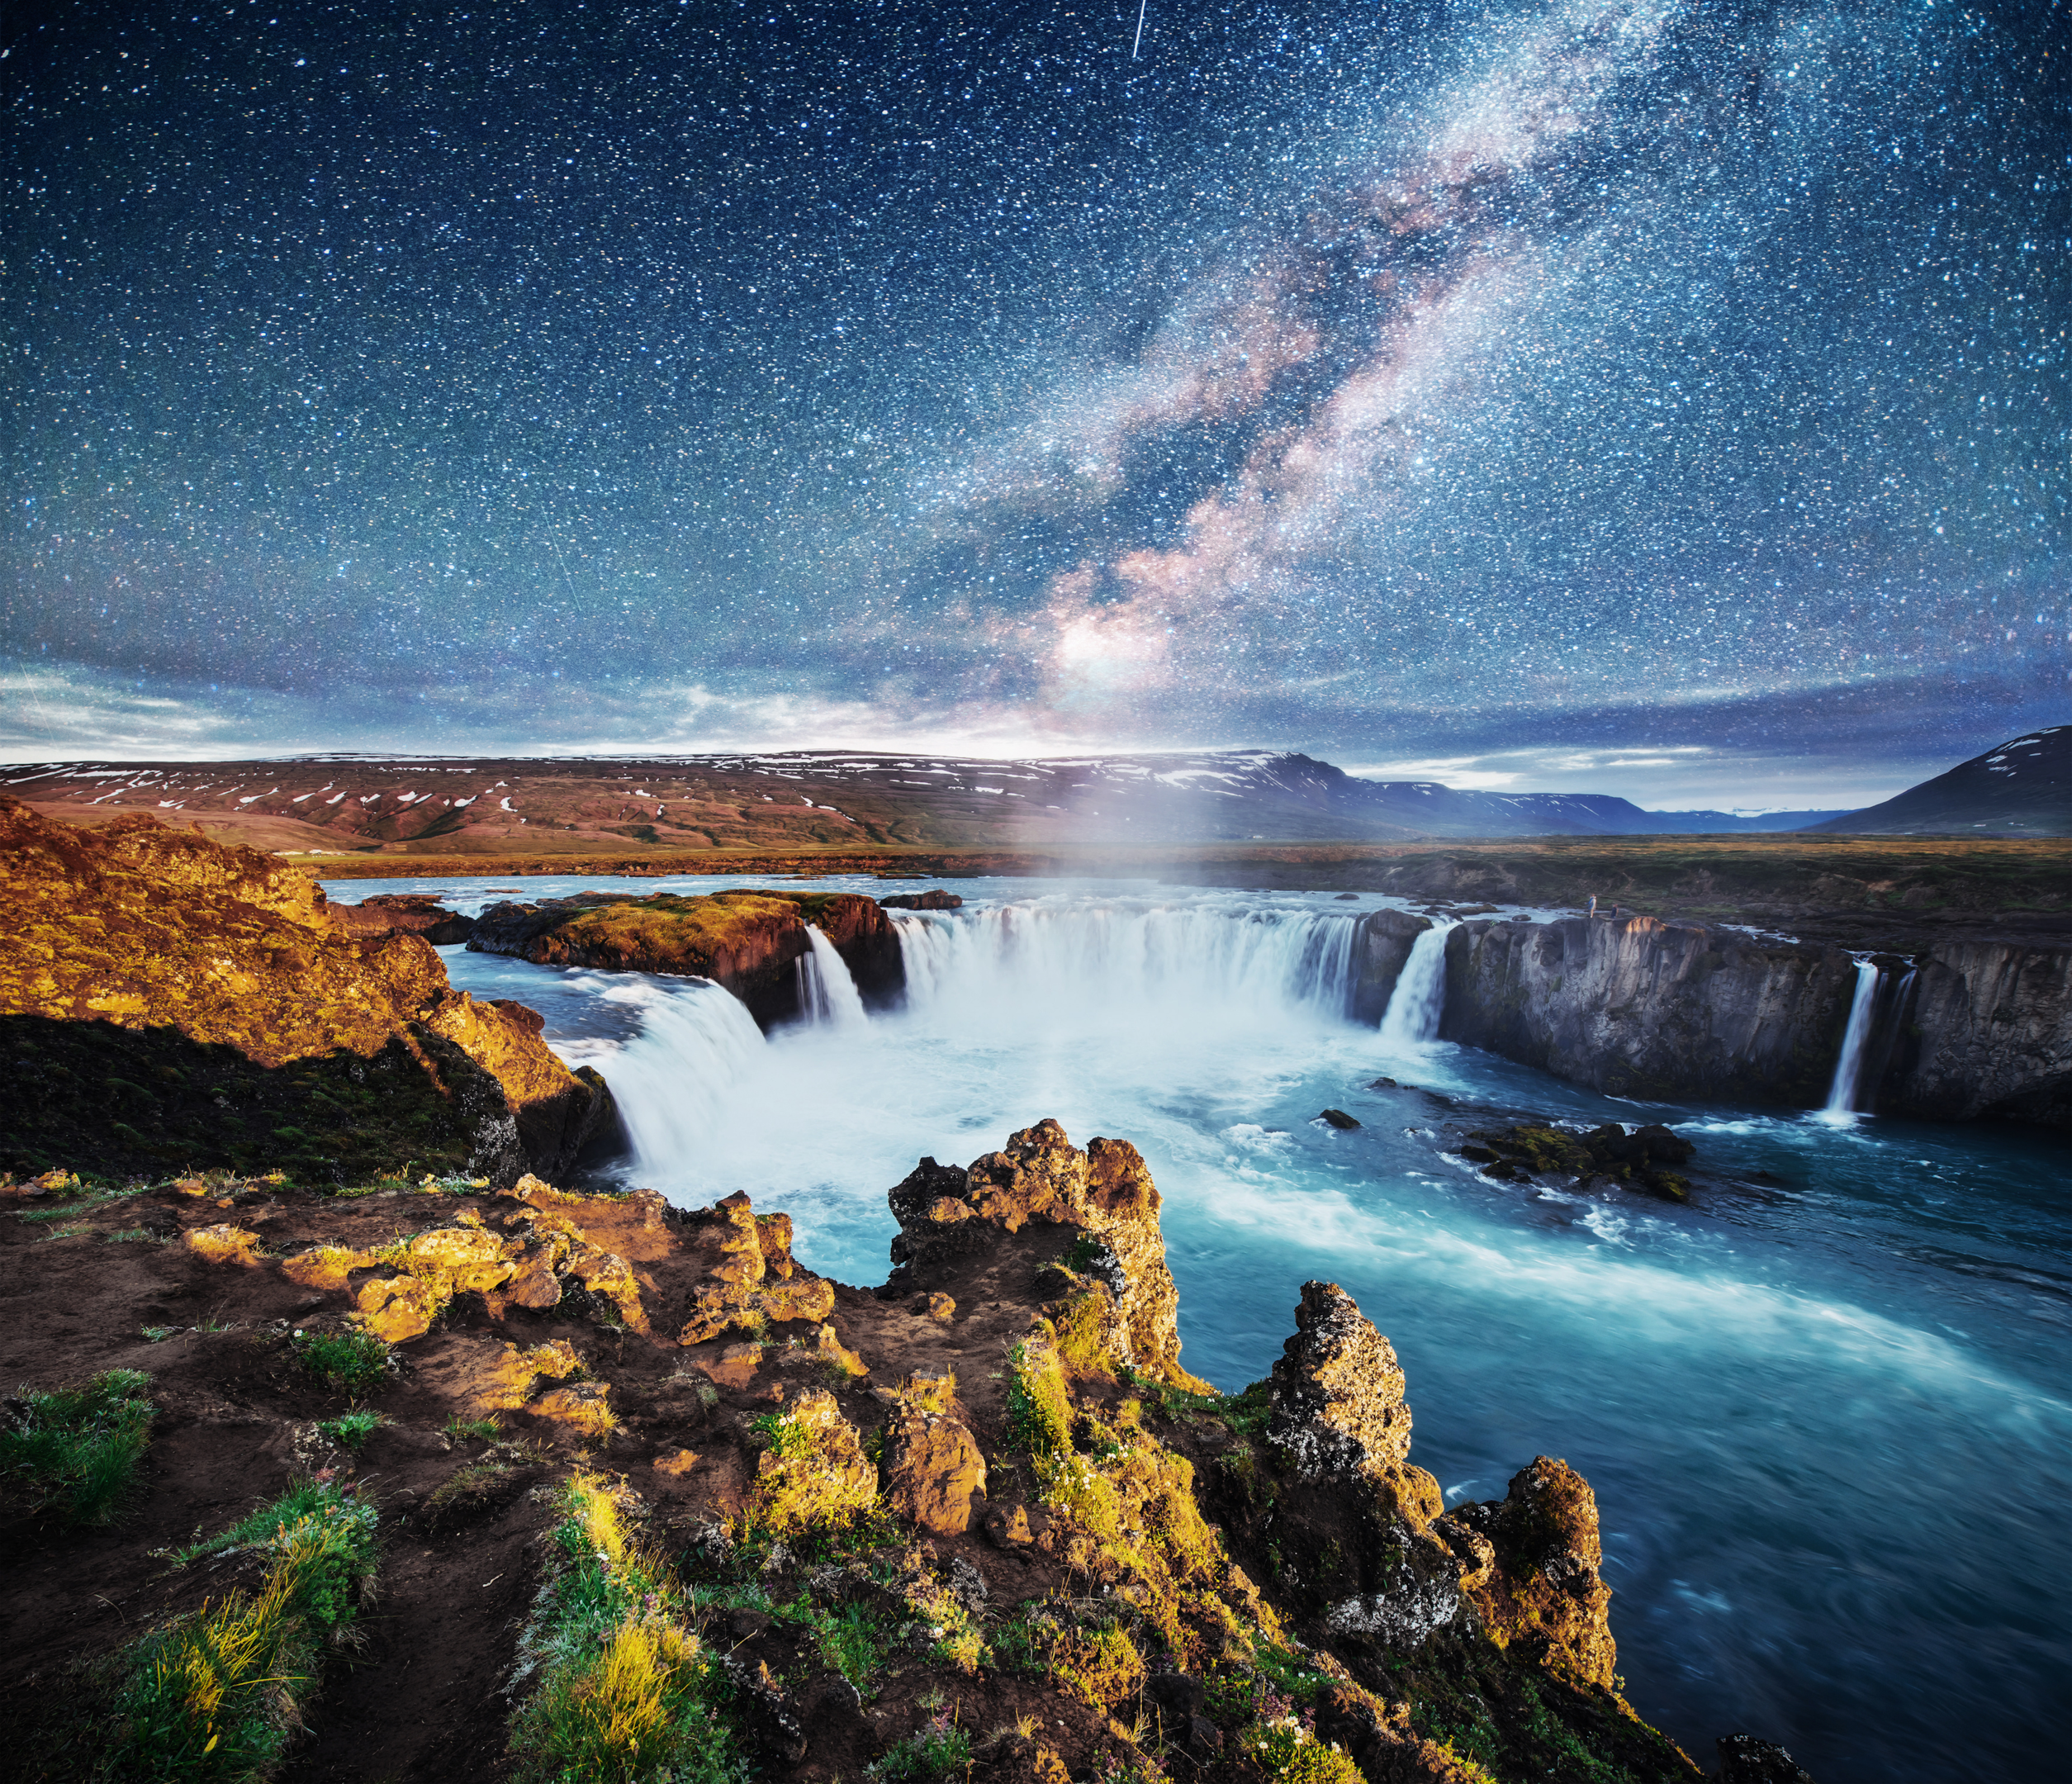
(78, 1448)
(217, 1695)
(214, 1695)
(348, 1362)
(486, 1429)
(350, 1431)
(935, 1750)
(628, 1693)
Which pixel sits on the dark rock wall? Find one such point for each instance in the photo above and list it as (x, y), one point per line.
(1985, 1030)
(1385, 942)
(1640, 1007)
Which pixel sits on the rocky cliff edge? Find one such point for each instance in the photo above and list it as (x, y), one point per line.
(594, 1454)
(172, 1004)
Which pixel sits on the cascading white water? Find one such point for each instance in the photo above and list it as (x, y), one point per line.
(1841, 1093)
(1051, 955)
(1907, 1304)
(1419, 1000)
(672, 1081)
(827, 993)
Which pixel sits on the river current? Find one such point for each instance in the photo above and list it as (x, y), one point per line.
(1828, 1423)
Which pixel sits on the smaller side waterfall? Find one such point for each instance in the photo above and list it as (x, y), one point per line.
(1419, 1000)
(1841, 1093)
(827, 995)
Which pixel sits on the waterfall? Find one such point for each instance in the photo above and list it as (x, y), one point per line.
(1842, 1093)
(673, 1080)
(1418, 999)
(1083, 1006)
(926, 945)
(827, 993)
(1048, 954)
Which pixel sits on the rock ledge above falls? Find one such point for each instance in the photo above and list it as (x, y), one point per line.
(749, 941)
(172, 1004)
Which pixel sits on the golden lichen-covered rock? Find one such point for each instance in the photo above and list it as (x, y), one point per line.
(556, 1218)
(149, 928)
(837, 1356)
(1040, 1175)
(586, 1406)
(750, 1278)
(326, 1266)
(501, 1382)
(773, 1232)
(398, 1308)
(466, 1258)
(814, 1475)
(1534, 1575)
(57, 1181)
(675, 1462)
(532, 1283)
(933, 1466)
(1337, 1392)
(225, 1243)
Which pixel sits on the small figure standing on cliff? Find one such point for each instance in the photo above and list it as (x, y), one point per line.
(1593, 903)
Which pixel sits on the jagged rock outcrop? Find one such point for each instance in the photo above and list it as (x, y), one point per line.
(186, 950)
(1530, 1566)
(1040, 1175)
(1337, 1416)
(1384, 943)
(749, 941)
(1337, 1392)
(1524, 1568)
(933, 1466)
(1644, 1009)
(749, 1276)
(1152, 1548)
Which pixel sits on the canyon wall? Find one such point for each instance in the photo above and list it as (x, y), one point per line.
(1983, 1030)
(1641, 1008)
(1968, 1028)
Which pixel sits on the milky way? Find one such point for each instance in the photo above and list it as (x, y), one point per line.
(1412, 381)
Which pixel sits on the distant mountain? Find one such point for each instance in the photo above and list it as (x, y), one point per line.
(1443, 811)
(819, 797)
(2024, 788)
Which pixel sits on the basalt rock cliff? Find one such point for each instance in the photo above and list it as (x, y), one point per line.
(1965, 1028)
(1640, 1007)
(751, 941)
(169, 1002)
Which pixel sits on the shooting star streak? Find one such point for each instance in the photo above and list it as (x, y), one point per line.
(1140, 6)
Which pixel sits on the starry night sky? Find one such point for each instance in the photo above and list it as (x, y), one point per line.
(1629, 397)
